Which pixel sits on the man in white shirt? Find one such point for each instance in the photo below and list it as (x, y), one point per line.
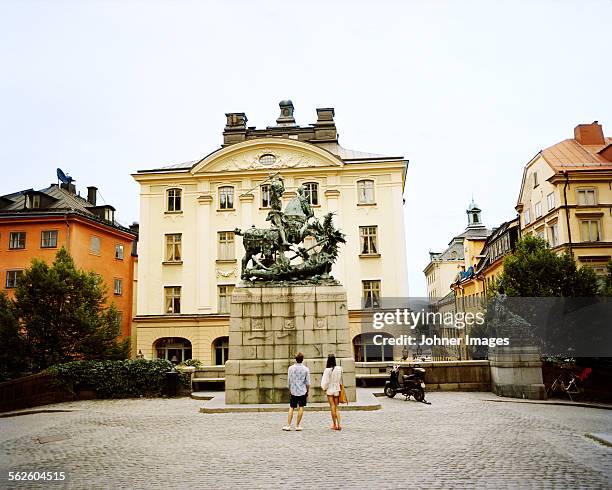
(298, 380)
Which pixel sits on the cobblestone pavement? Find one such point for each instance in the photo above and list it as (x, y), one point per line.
(460, 440)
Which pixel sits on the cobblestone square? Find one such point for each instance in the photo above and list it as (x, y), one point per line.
(460, 440)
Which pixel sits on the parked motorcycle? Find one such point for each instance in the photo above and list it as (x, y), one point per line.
(412, 384)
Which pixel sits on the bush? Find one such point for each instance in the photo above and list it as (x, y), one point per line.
(114, 379)
(196, 363)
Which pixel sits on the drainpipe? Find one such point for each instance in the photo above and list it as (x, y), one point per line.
(567, 220)
(67, 232)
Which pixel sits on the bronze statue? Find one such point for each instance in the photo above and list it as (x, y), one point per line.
(276, 254)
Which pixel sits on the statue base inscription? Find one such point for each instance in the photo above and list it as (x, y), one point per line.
(270, 324)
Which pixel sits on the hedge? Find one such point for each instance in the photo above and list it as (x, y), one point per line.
(114, 379)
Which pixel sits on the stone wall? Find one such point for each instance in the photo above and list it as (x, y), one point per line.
(270, 325)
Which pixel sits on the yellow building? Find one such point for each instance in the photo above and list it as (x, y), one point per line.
(189, 256)
(566, 196)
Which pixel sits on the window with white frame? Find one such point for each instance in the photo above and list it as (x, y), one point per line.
(226, 197)
(119, 251)
(538, 209)
(311, 191)
(48, 239)
(172, 297)
(550, 200)
(265, 196)
(174, 247)
(553, 232)
(118, 286)
(94, 245)
(368, 236)
(365, 191)
(173, 202)
(590, 230)
(526, 217)
(12, 277)
(586, 197)
(371, 293)
(225, 296)
(17, 240)
(227, 251)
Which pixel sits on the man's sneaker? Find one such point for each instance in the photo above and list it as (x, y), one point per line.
(287, 428)
(298, 427)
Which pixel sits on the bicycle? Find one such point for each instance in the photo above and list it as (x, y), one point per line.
(569, 383)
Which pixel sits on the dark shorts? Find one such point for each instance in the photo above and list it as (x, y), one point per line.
(297, 400)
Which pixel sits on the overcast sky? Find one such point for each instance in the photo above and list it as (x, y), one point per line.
(467, 91)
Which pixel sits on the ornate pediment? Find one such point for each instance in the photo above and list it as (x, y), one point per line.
(267, 155)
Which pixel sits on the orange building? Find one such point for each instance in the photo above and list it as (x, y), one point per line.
(36, 224)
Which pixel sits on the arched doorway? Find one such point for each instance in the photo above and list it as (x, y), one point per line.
(175, 349)
(366, 351)
(220, 350)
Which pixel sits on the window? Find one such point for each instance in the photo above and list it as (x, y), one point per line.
(221, 350)
(590, 230)
(11, 278)
(172, 295)
(32, 201)
(265, 196)
(48, 239)
(118, 287)
(225, 296)
(553, 232)
(119, 251)
(550, 199)
(174, 247)
(367, 351)
(526, 217)
(371, 294)
(535, 179)
(368, 238)
(17, 240)
(94, 245)
(311, 191)
(226, 245)
(174, 349)
(540, 233)
(365, 192)
(109, 214)
(538, 209)
(174, 200)
(226, 197)
(267, 159)
(586, 197)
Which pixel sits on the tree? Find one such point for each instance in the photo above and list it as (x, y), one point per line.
(606, 288)
(12, 354)
(534, 270)
(63, 315)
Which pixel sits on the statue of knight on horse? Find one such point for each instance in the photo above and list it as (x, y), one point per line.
(277, 253)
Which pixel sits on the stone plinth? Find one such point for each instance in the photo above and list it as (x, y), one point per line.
(517, 372)
(270, 325)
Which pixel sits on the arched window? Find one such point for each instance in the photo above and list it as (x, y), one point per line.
(220, 350)
(226, 197)
(311, 191)
(365, 191)
(175, 349)
(366, 351)
(173, 201)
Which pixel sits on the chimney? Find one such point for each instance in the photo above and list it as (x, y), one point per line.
(91, 195)
(235, 128)
(325, 127)
(589, 134)
(286, 114)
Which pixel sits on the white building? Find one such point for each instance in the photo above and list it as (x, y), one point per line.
(189, 257)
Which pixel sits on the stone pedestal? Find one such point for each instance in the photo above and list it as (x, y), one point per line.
(270, 325)
(517, 372)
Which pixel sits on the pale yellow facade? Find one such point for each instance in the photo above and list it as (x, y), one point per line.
(572, 210)
(205, 264)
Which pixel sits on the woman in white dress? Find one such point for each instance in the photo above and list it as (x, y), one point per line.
(330, 383)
